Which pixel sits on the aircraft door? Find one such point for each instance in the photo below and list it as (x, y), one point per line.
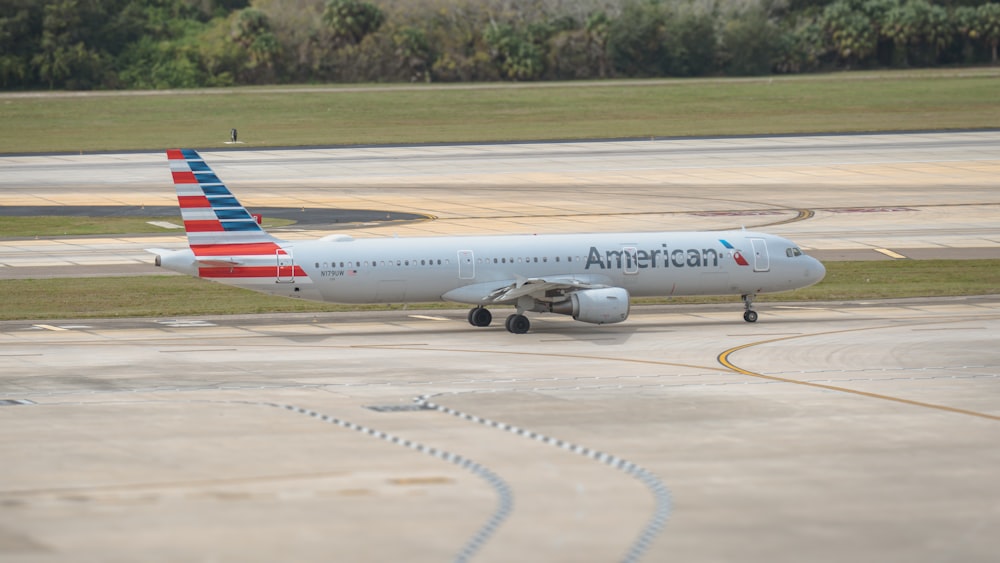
(286, 266)
(630, 260)
(761, 261)
(466, 265)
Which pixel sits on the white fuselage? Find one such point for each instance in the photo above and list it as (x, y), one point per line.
(464, 269)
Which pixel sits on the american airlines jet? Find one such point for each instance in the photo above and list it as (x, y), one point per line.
(590, 276)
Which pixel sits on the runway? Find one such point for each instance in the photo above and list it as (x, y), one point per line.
(841, 196)
(861, 431)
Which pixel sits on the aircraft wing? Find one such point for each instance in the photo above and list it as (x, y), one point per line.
(538, 287)
(511, 290)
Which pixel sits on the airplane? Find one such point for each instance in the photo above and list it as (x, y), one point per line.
(589, 276)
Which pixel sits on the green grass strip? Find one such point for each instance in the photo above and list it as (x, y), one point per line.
(298, 116)
(171, 296)
(56, 226)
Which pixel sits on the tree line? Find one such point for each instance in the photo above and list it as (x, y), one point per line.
(110, 44)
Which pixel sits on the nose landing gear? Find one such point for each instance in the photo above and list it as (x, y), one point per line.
(749, 315)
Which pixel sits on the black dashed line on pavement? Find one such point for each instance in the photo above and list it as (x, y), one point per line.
(661, 495)
(502, 489)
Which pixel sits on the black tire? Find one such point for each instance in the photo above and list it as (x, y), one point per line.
(750, 316)
(480, 316)
(518, 324)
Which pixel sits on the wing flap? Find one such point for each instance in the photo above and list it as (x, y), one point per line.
(503, 291)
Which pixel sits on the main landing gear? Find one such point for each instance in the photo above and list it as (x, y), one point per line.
(516, 323)
(480, 316)
(749, 315)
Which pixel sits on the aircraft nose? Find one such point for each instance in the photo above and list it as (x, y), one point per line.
(817, 271)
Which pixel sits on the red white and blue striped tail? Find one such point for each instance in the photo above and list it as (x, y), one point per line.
(227, 244)
(217, 224)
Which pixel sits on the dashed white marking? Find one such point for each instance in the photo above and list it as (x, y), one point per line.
(50, 327)
(165, 224)
(428, 318)
(184, 324)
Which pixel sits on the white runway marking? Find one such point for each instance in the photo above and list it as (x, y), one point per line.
(185, 324)
(428, 318)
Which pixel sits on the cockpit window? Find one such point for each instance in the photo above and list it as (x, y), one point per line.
(793, 252)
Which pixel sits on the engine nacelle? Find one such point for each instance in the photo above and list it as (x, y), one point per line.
(597, 306)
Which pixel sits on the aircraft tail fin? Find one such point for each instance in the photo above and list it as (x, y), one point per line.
(216, 223)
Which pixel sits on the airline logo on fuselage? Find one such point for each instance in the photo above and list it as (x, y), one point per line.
(631, 258)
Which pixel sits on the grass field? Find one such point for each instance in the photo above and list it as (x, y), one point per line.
(171, 296)
(55, 226)
(299, 116)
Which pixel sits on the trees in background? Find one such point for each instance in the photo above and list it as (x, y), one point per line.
(84, 44)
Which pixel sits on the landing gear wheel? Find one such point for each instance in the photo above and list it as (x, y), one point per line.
(518, 324)
(749, 315)
(480, 316)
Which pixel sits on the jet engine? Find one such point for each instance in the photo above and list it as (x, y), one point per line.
(597, 306)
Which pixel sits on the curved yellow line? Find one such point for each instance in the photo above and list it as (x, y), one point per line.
(724, 360)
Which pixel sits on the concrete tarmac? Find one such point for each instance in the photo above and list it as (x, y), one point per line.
(830, 432)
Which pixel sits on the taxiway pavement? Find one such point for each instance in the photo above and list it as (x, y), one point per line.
(831, 432)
